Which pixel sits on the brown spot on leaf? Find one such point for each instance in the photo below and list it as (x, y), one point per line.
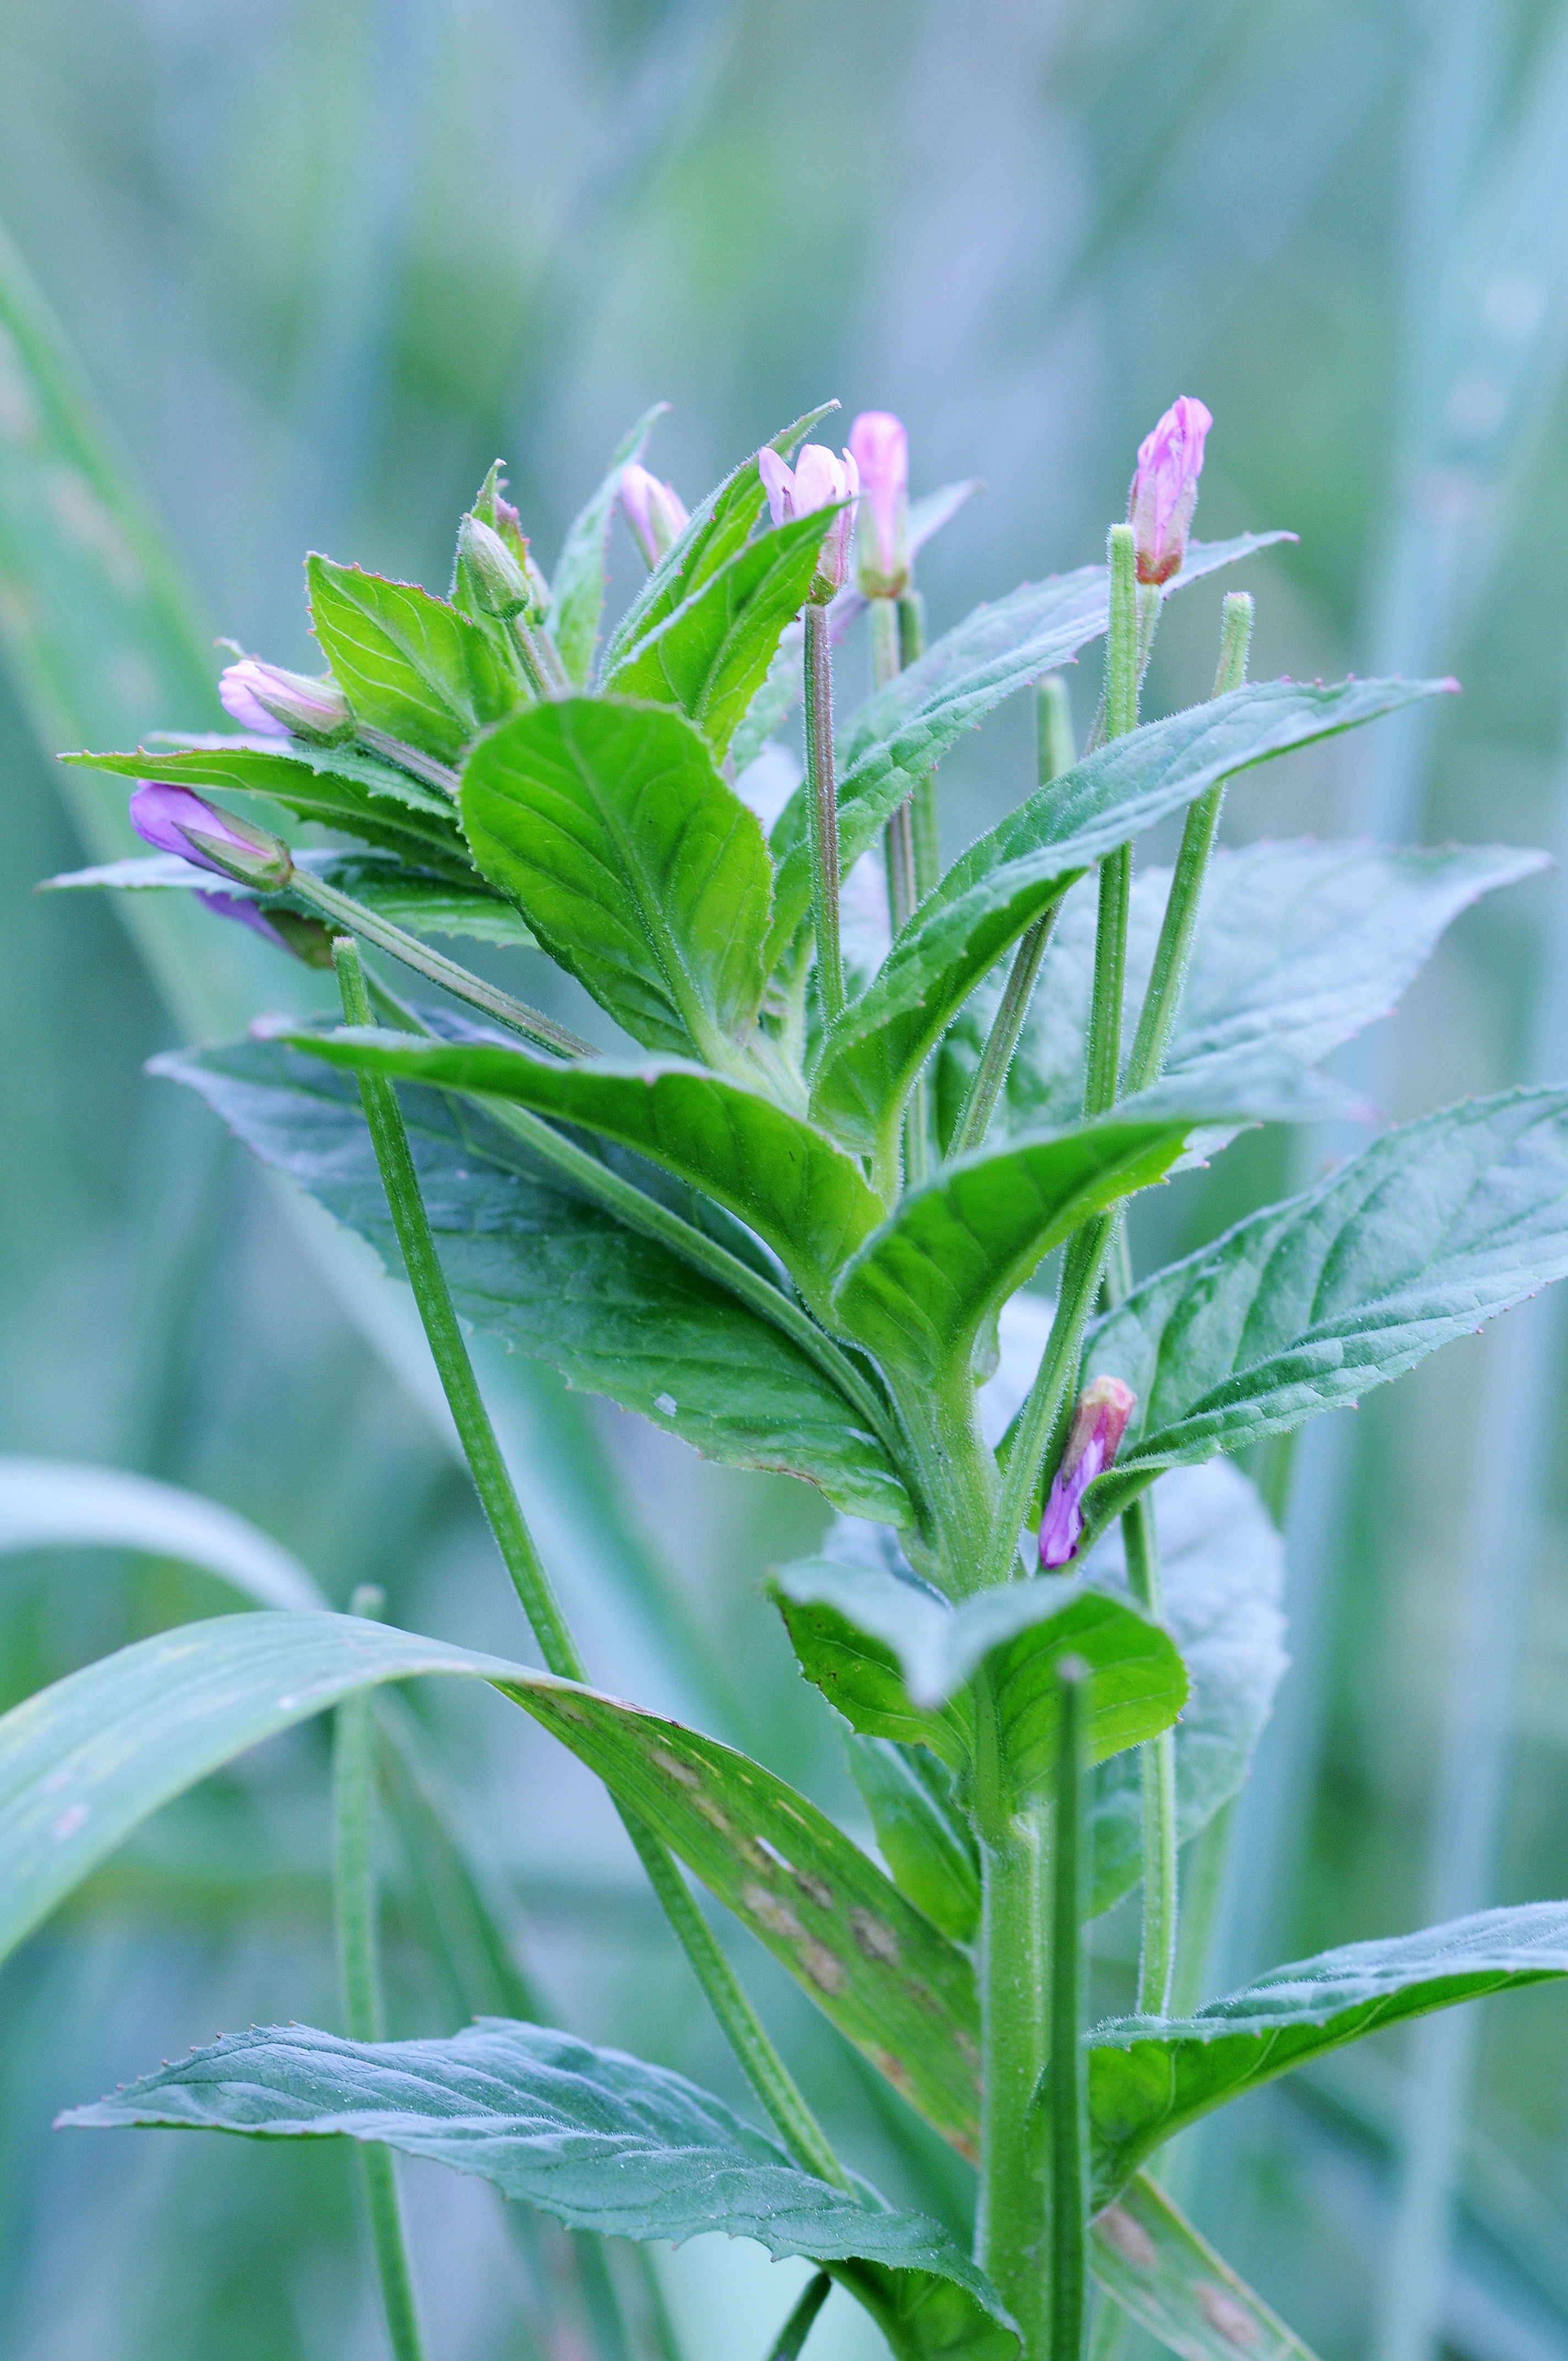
(815, 1888)
(1222, 2310)
(676, 1768)
(825, 1971)
(1128, 2237)
(773, 1914)
(897, 2072)
(875, 1937)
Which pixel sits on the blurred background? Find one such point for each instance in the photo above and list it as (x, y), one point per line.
(299, 273)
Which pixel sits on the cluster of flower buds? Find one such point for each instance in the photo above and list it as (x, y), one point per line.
(175, 820)
(1098, 1422)
(1164, 488)
(655, 511)
(275, 703)
(818, 481)
(880, 448)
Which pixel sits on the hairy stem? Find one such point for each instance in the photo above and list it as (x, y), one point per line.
(1054, 754)
(352, 915)
(353, 1784)
(1067, 2082)
(787, 2344)
(769, 2077)
(923, 802)
(1015, 1979)
(822, 811)
(903, 887)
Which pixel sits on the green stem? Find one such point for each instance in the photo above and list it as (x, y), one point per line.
(787, 2345)
(903, 887)
(1067, 2084)
(420, 765)
(346, 913)
(1042, 1422)
(822, 811)
(1054, 754)
(1156, 1758)
(352, 1782)
(1166, 976)
(923, 802)
(1014, 1974)
(769, 2076)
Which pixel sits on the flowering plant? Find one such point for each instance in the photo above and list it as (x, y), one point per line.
(800, 1212)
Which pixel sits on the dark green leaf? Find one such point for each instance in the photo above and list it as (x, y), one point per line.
(576, 594)
(1299, 1309)
(717, 528)
(1299, 944)
(1146, 2255)
(1009, 877)
(408, 663)
(337, 786)
(1223, 1578)
(709, 655)
(635, 865)
(893, 1657)
(805, 1197)
(923, 1839)
(1148, 2076)
(603, 2141)
(888, 746)
(559, 1279)
(920, 1288)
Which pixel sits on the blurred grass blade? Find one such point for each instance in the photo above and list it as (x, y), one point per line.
(1172, 2282)
(57, 1503)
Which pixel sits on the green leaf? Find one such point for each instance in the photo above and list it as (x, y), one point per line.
(637, 868)
(337, 786)
(1148, 2076)
(894, 1658)
(1432, 1230)
(950, 1252)
(1223, 1578)
(922, 1838)
(1300, 944)
(601, 2140)
(709, 657)
(717, 528)
(418, 900)
(576, 594)
(557, 1278)
(890, 742)
(802, 1194)
(1153, 2262)
(59, 1503)
(408, 663)
(1009, 877)
(84, 1762)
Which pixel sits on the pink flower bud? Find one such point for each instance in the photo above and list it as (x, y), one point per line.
(175, 820)
(655, 511)
(1098, 1425)
(816, 481)
(1164, 488)
(265, 698)
(881, 450)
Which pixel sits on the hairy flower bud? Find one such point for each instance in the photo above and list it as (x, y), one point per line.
(175, 820)
(1098, 1422)
(816, 481)
(1164, 488)
(881, 451)
(263, 696)
(500, 584)
(655, 511)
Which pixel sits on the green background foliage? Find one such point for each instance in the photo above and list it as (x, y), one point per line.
(320, 265)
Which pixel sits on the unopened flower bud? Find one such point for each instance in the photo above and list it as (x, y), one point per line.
(500, 583)
(655, 511)
(1164, 488)
(286, 930)
(816, 481)
(175, 820)
(881, 450)
(1098, 1422)
(265, 698)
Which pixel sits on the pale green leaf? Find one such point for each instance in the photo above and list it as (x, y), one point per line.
(409, 664)
(1148, 2076)
(1150, 2258)
(576, 593)
(61, 1504)
(923, 1839)
(635, 865)
(417, 900)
